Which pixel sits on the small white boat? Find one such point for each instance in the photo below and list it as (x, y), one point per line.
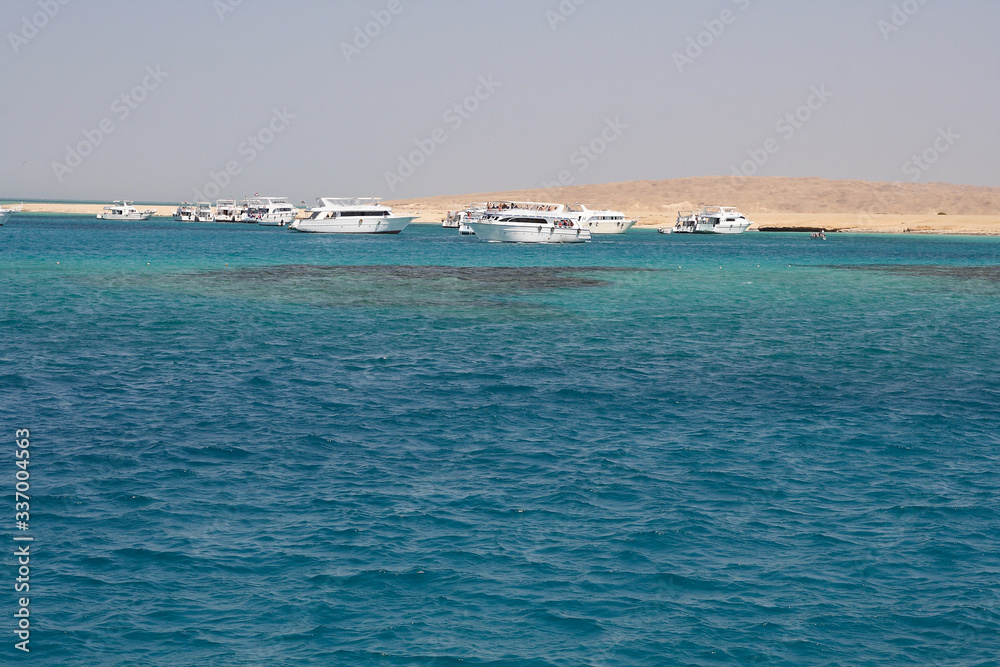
(351, 216)
(664, 230)
(185, 212)
(124, 210)
(227, 210)
(270, 211)
(712, 220)
(203, 212)
(457, 219)
(820, 235)
(523, 227)
(5, 212)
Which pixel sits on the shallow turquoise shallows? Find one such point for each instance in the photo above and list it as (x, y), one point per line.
(255, 447)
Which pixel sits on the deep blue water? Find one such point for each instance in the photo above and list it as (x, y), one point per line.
(254, 447)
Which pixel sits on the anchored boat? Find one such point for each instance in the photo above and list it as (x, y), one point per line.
(712, 220)
(351, 216)
(124, 210)
(524, 227)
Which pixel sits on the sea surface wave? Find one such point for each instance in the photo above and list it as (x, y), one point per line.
(257, 447)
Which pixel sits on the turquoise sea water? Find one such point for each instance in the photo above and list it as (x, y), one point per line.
(254, 447)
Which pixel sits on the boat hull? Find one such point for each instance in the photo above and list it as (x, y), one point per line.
(718, 229)
(273, 222)
(508, 233)
(608, 226)
(352, 225)
(724, 229)
(4, 217)
(139, 216)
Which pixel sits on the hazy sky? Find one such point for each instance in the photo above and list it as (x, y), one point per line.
(162, 101)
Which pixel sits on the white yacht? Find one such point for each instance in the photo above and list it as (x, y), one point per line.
(124, 210)
(5, 212)
(270, 211)
(227, 210)
(185, 212)
(351, 216)
(529, 227)
(602, 222)
(203, 212)
(712, 220)
(596, 222)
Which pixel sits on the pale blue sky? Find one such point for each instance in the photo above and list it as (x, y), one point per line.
(612, 76)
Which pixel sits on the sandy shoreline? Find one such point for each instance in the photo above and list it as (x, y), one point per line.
(772, 203)
(988, 225)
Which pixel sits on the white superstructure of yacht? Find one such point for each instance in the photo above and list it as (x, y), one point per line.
(124, 210)
(602, 222)
(203, 212)
(185, 212)
(351, 215)
(5, 213)
(270, 211)
(227, 210)
(712, 220)
(520, 226)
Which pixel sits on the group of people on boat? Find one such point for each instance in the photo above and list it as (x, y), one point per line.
(506, 206)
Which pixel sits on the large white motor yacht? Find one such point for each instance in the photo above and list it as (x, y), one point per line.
(124, 210)
(476, 212)
(529, 227)
(5, 213)
(596, 222)
(712, 220)
(602, 222)
(351, 215)
(270, 211)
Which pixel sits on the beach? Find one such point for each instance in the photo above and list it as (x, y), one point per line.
(791, 222)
